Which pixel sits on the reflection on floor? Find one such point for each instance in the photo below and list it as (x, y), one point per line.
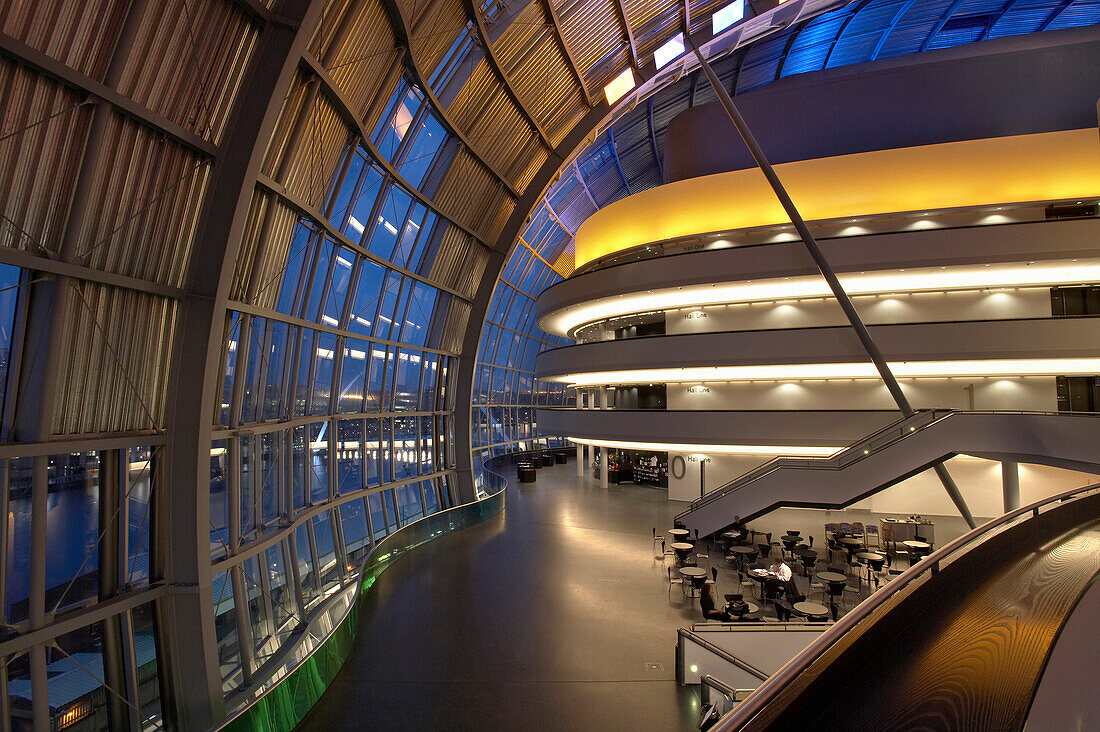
(555, 615)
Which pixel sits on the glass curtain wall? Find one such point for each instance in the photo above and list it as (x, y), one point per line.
(506, 393)
(330, 422)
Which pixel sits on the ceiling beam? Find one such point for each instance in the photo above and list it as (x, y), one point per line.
(552, 13)
(505, 81)
(629, 34)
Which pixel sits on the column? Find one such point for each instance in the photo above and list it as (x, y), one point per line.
(580, 447)
(1010, 482)
(603, 468)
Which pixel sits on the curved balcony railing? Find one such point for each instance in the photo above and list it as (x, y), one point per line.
(880, 602)
(292, 686)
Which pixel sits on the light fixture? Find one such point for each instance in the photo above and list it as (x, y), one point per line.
(725, 17)
(976, 368)
(670, 50)
(791, 450)
(619, 86)
(927, 279)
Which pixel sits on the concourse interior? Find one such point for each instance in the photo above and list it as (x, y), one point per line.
(290, 288)
(548, 616)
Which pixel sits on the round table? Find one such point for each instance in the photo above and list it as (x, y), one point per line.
(696, 576)
(832, 579)
(742, 552)
(790, 542)
(912, 544)
(678, 534)
(681, 548)
(812, 609)
(850, 545)
(869, 557)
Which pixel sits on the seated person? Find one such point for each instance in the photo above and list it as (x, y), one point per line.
(706, 602)
(780, 569)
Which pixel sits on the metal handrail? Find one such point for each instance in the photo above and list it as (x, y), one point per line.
(800, 663)
(722, 653)
(708, 682)
(921, 418)
(859, 450)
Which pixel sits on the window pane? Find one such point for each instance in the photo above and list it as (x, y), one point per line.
(368, 292)
(318, 462)
(323, 372)
(338, 288)
(9, 296)
(300, 467)
(310, 588)
(394, 126)
(419, 317)
(407, 381)
(365, 198)
(17, 553)
(377, 520)
(353, 376)
(74, 668)
(219, 498)
(326, 551)
(139, 514)
(246, 486)
(145, 653)
(282, 594)
(390, 220)
(271, 452)
(422, 149)
(354, 519)
(408, 497)
(225, 627)
(349, 455)
(72, 529)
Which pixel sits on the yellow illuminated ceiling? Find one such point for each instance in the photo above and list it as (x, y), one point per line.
(1049, 166)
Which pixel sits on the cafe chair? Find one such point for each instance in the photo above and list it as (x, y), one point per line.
(746, 584)
(857, 530)
(698, 554)
(658, 538)
(674, 581)
(870, 536)
(765, 551)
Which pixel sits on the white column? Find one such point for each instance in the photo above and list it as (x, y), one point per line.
(1010, 483)
(603, 468)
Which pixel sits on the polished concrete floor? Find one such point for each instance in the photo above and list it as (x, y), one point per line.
(553, 615)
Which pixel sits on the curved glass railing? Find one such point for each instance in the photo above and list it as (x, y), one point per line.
(881, 602)
(308, 666)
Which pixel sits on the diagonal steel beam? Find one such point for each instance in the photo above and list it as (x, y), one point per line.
(552, 13)
(826, 270)
(624, 18)
(505, 80)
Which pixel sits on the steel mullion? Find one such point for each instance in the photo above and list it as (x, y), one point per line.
(130, 671)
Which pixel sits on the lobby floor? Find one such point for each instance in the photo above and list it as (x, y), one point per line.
(553, 615)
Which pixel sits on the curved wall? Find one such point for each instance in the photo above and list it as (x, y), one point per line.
(915, 100)
(929, 247)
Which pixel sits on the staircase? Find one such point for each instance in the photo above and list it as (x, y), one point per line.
(896, 452)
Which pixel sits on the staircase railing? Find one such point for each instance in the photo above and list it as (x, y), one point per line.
(862, 449)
